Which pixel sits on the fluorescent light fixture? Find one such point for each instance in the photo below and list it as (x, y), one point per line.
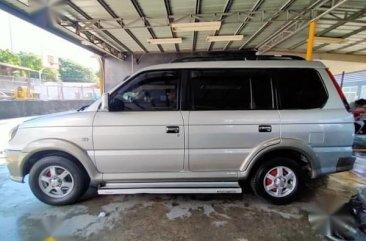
(224, 38)
(199, 26)
(164, 41)
(330, 40)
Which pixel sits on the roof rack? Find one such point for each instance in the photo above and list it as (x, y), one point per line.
(236, 58)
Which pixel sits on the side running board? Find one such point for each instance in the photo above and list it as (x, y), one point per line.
(170, 187)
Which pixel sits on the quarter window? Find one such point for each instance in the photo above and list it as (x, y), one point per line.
(300, 89)
(150, 91)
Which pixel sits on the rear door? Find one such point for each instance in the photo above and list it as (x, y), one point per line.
(232, 111)
(143, 130)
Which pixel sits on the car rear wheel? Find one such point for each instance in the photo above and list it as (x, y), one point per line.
(56, 180)
(278, 180)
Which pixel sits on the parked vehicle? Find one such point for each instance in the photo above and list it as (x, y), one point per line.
(193, 128)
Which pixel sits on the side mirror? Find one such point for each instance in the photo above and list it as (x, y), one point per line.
(105, 102)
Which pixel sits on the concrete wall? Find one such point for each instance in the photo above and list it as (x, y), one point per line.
(20, 108)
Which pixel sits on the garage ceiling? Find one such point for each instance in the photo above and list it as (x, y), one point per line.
(120, 27)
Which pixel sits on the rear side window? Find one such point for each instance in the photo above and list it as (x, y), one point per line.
(230, 89)
(300, 89)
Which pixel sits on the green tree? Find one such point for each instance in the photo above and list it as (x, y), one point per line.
(8, 57)
(74, 72)
(49, 74)
(30, 60)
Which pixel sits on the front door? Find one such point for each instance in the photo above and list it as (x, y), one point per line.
(232, 112)
(143, 129)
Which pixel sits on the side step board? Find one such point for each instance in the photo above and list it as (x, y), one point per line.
(170, 187)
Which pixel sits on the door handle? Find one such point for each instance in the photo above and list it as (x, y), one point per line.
(265, 128)
(172, 129)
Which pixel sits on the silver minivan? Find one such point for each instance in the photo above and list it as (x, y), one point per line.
(192, 127)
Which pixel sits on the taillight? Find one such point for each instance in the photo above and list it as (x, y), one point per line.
(339, 90)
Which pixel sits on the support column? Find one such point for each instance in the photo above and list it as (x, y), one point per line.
(101, 77)
(310, 44)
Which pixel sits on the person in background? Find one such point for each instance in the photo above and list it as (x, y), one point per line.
(358, 107)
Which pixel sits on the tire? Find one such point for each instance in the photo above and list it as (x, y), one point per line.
(56, 180)
(270, 185)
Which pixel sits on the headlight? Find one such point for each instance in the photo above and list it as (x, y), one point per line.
(12, 132)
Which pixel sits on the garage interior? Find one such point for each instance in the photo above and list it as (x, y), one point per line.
(131, 34)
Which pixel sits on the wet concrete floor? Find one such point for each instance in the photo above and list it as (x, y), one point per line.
(236, 217)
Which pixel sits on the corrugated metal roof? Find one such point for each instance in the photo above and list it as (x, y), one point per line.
(127, 24)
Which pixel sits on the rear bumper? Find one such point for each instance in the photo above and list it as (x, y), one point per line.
(331, 160)
(345, 164)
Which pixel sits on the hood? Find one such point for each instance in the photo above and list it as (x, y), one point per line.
(68, 118)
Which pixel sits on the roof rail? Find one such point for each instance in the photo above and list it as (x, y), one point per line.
(236, 58)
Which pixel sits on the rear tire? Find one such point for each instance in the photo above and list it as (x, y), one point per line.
(278, 180)
(56, 180)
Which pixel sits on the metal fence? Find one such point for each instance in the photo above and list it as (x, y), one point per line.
(50, 90)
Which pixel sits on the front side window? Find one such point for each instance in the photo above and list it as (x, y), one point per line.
(231, 89)
(150, 91)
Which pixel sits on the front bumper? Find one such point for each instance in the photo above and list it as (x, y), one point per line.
(14, 163)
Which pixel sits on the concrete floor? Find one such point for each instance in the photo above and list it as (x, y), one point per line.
(166, 217)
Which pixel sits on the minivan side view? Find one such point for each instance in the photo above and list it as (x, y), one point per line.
(186, 127)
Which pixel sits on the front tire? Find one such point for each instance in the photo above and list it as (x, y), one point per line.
(56, 180)
(278, 180)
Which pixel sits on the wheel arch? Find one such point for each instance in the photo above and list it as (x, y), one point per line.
(290, 148)
(47, 147)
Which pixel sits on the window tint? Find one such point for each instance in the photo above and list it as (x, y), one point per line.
(220, 90)
(150, 91)
(300, 89)
(229, 89)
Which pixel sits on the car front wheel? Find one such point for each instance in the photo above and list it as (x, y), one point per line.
(56, 180)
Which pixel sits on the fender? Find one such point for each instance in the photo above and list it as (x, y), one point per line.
(280, 144)
(64, 146)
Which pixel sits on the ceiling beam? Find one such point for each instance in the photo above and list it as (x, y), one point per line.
(146, 23)
(334, 26)
(292, 24)
(355, 51)
(197, 11)
(255, 8)
(85, 15)
(295, 27)
(354, 16)
(264, 26)
(260, 16)
(120, 22)
(353, 43)
(227, 8)
(170, 13)
(324, 56)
